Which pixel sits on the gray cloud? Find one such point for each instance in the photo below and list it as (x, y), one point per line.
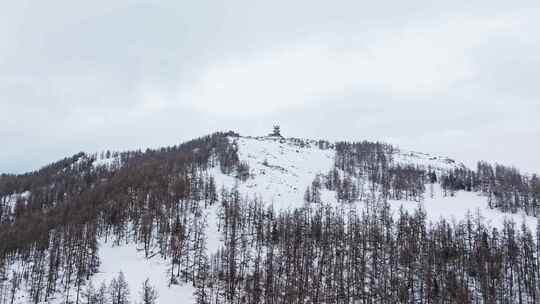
(456, 78)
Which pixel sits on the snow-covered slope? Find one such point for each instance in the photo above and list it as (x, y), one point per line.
(425, 160)
(280, 171)
(130, 260)
(136, 268)
(458, 207)
(8, 202)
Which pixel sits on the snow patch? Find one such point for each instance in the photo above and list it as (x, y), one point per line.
(280, 169)
(137, 268)
(425, 160)
(9, 201)
(456, 208)
(109, 163)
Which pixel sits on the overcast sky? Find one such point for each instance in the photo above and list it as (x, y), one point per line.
(456, 78)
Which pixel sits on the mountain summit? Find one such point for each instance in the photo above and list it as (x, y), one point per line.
(227, 218)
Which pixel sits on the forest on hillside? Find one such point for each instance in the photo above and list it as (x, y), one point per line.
(315, 254)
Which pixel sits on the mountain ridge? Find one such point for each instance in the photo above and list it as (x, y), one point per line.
(168, 212)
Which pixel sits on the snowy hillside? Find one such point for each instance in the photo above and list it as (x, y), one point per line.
(426, 160)
(280, 171)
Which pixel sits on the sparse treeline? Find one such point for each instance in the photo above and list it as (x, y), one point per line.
(368, 167)
(118, 292)
(49, 238)
(342, 255)
(507, 188)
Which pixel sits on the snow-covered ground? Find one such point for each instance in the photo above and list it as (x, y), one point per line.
(130, 259)
(280, 170)
(111, 162)
(9, 201)
(426, 160)
(136, 268)
(213, 235)
(451, 208)
(456, 208)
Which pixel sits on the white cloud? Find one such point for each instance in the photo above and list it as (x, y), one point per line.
(138, 73)
(414, 61)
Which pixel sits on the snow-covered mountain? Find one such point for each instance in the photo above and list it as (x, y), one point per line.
(280, 171)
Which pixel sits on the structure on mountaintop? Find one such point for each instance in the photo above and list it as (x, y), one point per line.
(276, 132)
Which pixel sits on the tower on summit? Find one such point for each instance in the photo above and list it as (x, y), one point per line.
(276, 132)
